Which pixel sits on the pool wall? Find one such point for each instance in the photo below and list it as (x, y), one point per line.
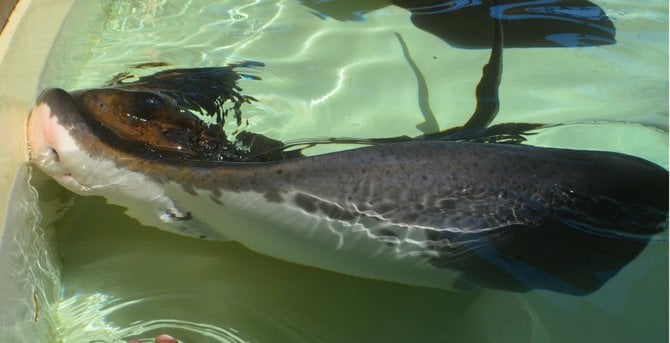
(29, 276)
(6, 9)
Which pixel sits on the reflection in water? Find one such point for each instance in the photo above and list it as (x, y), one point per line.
(466, 23)
(83, 318)
(29, 271)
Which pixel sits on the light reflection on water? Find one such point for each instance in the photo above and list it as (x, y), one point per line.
(84, 318)
(29, 271)
(121, 280)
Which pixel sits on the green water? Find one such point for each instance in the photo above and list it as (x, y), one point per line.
(348, 78)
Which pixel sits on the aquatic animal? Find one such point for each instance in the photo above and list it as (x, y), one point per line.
(441, 210)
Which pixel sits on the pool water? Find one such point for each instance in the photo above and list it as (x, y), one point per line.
(345, 69)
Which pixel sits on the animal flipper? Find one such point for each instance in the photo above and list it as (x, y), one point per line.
(477, 129)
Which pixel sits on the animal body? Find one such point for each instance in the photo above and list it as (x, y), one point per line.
(428, 211)
(431, 213)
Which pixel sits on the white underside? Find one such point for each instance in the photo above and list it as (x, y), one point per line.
(281, 230)
(287, 232)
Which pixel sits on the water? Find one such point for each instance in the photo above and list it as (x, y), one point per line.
(349, 77)
(29, 269)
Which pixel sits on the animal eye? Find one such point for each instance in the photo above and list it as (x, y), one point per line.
(145, 106)
(153, 101)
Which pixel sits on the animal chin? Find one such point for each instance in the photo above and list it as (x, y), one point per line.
(69, 182)
(44, 132)
(50, 161)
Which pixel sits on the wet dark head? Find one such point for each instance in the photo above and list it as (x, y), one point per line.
(159, 117)
(148, 122)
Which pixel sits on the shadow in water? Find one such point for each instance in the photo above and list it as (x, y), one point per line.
(466, 24)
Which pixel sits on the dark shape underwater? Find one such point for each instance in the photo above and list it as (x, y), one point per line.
(467, 23)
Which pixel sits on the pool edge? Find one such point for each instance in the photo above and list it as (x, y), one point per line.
(27, 286)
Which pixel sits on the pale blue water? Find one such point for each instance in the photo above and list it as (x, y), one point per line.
(326, 77)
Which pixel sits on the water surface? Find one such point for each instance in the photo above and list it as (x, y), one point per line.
(348, 75)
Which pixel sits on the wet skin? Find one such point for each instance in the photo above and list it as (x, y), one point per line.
(500, 216)
(439, 210)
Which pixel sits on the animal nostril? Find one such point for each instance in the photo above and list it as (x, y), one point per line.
(55, 153)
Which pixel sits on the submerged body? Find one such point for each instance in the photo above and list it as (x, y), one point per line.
(449, 215)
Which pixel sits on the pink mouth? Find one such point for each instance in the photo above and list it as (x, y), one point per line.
(39, 134)
(44, 134)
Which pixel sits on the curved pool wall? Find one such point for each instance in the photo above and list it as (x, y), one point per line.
(29, 274)
(6, 9)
